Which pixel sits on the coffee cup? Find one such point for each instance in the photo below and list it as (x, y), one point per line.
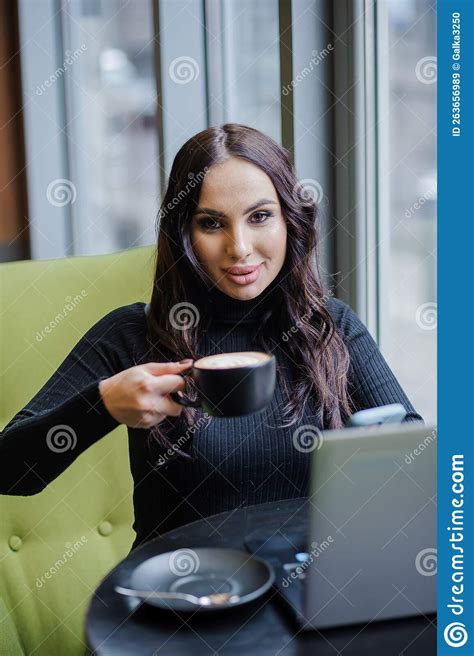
(231, 384)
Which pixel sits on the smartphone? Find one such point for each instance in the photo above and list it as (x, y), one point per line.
(385, 414)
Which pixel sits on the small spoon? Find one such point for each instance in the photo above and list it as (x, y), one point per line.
(215, 599)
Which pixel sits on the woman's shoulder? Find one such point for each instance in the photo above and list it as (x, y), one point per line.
(134, 311)
(122, 317)
(121, 332)
(346, 320)
(126, 323)
(339, 310)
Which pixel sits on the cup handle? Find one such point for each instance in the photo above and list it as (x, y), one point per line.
(184, 400)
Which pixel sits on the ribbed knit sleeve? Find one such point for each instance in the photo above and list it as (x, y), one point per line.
(371, 381)
(67, 414)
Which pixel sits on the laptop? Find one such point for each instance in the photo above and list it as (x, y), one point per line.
(367, 548)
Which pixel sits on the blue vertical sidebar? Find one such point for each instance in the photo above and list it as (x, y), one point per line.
(455, 64)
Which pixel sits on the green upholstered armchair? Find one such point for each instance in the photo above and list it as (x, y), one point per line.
(57, 545)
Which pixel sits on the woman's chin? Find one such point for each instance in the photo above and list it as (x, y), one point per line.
(242, 292)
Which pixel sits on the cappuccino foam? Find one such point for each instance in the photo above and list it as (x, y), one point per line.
(231, 360)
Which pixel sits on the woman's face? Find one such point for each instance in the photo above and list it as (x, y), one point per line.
(239, 223)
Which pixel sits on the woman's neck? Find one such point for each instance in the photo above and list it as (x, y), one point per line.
(223, 308)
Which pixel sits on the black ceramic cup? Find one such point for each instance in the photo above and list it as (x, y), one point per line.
(231, 384)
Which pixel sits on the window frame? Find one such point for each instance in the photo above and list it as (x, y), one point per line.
(357, 167)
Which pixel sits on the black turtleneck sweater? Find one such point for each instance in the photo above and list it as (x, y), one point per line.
(236, 461)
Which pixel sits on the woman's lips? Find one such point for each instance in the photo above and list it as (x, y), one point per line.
(248, 275)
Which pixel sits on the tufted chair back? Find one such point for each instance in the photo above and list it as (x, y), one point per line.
(57, 545)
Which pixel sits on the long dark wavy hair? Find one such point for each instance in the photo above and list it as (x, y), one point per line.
(317, 349)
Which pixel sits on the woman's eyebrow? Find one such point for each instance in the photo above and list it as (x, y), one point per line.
(258, 203)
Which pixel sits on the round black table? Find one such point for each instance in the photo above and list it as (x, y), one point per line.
(119, 626)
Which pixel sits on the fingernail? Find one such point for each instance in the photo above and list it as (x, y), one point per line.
(186, 361)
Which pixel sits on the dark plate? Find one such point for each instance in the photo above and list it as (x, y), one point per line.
(201, 572)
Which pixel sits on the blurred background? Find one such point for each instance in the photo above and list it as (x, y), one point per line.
(98, 96)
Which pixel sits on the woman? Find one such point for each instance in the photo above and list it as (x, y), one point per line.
(233, 201)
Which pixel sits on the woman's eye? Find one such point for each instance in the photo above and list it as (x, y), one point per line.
(211, 224)
(264, 216)
(208, 224)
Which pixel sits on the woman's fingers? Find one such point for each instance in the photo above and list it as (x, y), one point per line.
(163, 386)
(160, 368)
(140, 396)
(167, 383)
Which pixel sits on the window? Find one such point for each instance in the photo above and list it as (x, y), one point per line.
(110, 104)
(407, 302)
(385, 182)
(251, 64)
(89, 111)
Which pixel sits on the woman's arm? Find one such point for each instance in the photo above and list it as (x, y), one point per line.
(67, 415)
(371, 381)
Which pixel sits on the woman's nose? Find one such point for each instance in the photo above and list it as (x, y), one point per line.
(238, 244)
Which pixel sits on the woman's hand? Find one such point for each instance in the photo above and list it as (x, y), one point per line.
(138, 396)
